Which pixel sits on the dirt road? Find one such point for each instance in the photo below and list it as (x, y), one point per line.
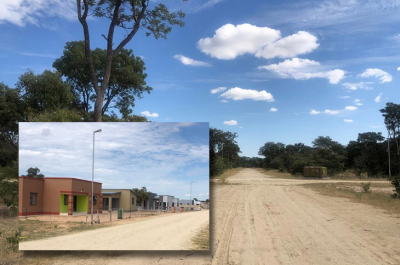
(257, 219)
(275, 221)
(173, 232)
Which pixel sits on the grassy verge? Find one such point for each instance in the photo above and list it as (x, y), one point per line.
(377, 199)
(223, 179)
(276, 174)
(202, 240)
(35, 229)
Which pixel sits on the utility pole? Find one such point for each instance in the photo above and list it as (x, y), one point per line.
(91, 222)
(191, 195)
(390, 173)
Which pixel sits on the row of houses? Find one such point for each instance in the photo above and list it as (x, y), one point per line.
(68, 195)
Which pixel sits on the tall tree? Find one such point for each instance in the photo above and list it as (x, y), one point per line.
(130, 15)
(34, 172)
(141, 194)
(127, 80)
(45, 92)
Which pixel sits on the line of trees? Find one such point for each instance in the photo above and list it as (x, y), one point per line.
(224, 151)
(368, 155)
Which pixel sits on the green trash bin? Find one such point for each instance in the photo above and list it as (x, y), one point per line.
(119, 213)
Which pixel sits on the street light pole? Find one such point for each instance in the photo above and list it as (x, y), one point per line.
(191, 196)
(91, 222)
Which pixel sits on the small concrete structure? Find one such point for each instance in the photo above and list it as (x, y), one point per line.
(315, 172)
(119, 199)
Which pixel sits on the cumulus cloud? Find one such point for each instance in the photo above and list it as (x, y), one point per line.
(224, 101)
(348, 120)
(331, 112)
(351, 108)
(383, 76)
(189, 61)
(314, 112)
(357, 102)
(238, 93)
(217, 90)
(299, 43)
(21, 13)
(344, 97)
(230, 41)
(231, 122)
(378, 98)
(148, 114)
(303, 69)
(273, 110)
(359, 85)
(398, 68)
(374, 126)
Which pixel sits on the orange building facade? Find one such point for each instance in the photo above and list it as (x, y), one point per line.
(58, 196)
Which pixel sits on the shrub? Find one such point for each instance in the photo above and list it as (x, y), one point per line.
(366, 187)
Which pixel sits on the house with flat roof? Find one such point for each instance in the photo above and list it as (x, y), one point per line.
(58, 196)
(124, 199)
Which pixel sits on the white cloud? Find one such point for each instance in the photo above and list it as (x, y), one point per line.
(374, 126)
(218, 89)
(273, 110)
(359, 85)
(304, 69)
(348, 120)
(238, 93)
(378, 98)
(148, 114)
(230, 41)
(398, 68)
(344, 97)
(224, 101)
(331, 112)
(378, 73)
(231, 122)
(351, 108)
(241, 127)
(300, 43)
(314, 112)
(22, 12)
(357, 102)
(189, 61)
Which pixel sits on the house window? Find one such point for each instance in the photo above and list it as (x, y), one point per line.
(33, 199)
(94, 200)
(65, 199)
(181, 203)
(133, 201)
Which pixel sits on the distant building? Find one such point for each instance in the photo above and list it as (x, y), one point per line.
(58, 196)
(124, 199)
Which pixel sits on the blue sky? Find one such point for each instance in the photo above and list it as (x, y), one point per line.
(164, 157)
(288, 71)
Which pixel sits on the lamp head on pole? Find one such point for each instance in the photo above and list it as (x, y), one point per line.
(99, 130)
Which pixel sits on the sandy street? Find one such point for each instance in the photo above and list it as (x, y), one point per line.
(257, 219)
(168, 233)
(274, 221)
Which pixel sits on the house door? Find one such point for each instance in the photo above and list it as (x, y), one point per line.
(75, 203)
(106, 203)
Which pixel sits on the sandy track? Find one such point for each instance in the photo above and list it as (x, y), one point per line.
(278, 222)
(257, 219)
(168, 233)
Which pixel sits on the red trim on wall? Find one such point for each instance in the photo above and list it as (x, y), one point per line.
(72, 192)
(36, 213)
(74, 179)
(25, 177)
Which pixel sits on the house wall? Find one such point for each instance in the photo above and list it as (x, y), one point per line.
(50, 195)
(26, 186)
(125, 199)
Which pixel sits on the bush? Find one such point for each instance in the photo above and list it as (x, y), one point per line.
(396, 183)
(366, 187)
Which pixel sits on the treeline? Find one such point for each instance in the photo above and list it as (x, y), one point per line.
(367, 155)
(67, 93)
(224, 151)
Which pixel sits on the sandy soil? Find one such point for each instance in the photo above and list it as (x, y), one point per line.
(169, 233)
(257, 219)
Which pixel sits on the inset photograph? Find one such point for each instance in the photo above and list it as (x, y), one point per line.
(114, 186)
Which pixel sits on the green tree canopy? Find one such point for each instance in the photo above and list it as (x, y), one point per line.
(34, 172)
(141, 194)
(127, 80)
(130, 15)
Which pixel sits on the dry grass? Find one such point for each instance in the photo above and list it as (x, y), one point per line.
(223, 179)
(202, 240)
(35, 229)
(378, 199)
(276, 174)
